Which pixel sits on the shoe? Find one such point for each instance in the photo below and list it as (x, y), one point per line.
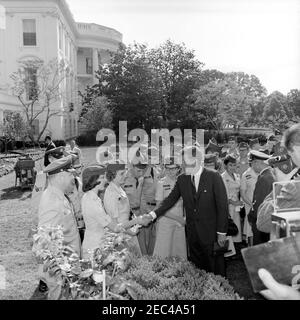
(43, 287)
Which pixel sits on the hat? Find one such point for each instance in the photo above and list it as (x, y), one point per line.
(257, 155)
(243, 145)
(210, 158)
(114, 167)
(139, 160)
(171, 162)
(252, 142)
(56, 152)
(213, 147)
(60, 165)
(272, 138)
(92, 170)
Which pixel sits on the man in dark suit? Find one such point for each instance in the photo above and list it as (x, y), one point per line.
(205, 202)
(263, 187)
(50, 145)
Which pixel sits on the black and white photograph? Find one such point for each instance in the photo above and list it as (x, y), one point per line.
(150, 150)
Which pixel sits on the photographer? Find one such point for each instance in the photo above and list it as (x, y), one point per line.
(289, 194)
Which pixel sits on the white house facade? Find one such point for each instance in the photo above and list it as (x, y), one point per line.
(46, 30)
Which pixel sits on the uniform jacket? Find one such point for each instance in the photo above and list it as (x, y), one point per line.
(206, 211)
(263, 187)
(55, 209)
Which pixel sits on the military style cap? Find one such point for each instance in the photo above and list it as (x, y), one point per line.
(212, 147)
(210, 158)
(56, 152)
(277, 132)
(114, 167)
(60, 165)
(272, 138)
(92, 170)
(171, 162)
(139, 160)
(257, 155)
(243, 145)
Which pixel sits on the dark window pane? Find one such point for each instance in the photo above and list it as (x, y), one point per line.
(29, 39)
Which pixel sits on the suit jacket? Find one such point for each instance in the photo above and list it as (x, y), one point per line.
(263, 187)
(50, 146)
(206, 211)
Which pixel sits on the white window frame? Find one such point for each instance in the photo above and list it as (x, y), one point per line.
(37, 27)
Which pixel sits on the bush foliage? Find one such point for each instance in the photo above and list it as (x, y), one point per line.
(175, 279)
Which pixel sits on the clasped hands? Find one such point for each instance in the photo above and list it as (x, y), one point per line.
(144, 219)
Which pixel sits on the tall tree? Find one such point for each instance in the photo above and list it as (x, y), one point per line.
(38, 86)
(179, 72)
(275, 110)
(13, 128)
(293, 99)
(131, 87)
(222, 103)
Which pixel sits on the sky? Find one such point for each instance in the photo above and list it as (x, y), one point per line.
(260, 37)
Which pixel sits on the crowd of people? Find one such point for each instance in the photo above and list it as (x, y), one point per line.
(168, 209)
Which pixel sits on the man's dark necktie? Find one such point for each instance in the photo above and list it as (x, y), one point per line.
(296, 175)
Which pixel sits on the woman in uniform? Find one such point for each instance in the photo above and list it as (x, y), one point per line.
(232, 183)
(94, 215)
(117, 205)
(170, 232)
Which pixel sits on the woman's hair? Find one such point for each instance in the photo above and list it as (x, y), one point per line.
(110, 175)
(291, 137)
(91, 183)
(112, 170)
(229, 158)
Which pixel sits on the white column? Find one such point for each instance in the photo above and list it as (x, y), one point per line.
(95, 64)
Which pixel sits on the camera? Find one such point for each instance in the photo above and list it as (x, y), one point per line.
(286, 215)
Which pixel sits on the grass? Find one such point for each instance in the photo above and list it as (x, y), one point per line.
(16, 220)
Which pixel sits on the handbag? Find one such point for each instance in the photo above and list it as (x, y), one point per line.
(232, 228)
(243, 212)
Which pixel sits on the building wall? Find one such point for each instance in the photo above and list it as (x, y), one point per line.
(58, 36)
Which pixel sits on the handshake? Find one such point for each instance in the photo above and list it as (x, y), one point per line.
(144, 220)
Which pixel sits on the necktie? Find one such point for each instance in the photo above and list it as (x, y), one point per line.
(296, 174)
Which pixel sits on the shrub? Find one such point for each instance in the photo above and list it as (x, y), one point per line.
(176, 279)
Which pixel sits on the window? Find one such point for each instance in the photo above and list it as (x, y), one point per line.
(31, 83)
(29, 32)
(89, 67)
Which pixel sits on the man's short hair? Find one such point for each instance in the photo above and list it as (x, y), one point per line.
(48, 137)
(291, 137)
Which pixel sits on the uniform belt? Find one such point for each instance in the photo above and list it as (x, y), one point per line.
(135, 208)
(151, 203)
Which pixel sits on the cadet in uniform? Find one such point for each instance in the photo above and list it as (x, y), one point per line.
(56, 209)
(263, 187)
(232, 144)
(140, 187)
(242, 163)
(248, 182)
(170, 230)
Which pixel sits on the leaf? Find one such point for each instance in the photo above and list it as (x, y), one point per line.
(98, 277)
(132, 291)
(86, 273)
(76, 270)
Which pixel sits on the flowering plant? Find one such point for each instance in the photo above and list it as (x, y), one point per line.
(84, 279)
